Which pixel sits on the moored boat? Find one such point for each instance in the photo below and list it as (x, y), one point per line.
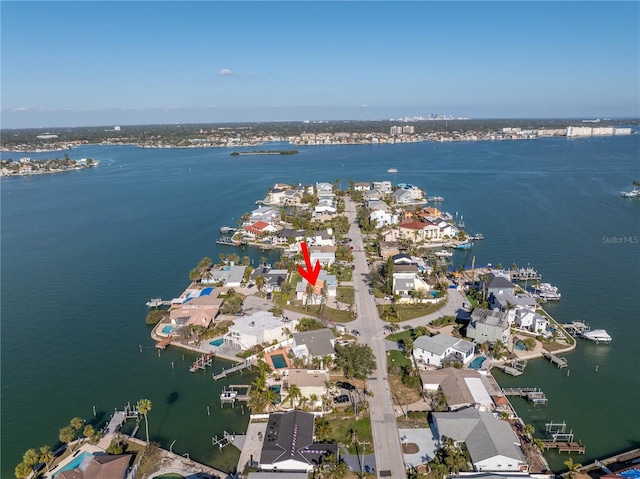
(443, 253)
(392, 170)
(597, 336)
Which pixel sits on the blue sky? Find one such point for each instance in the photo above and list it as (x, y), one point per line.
(104, 63)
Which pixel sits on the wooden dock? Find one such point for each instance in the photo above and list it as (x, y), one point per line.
(243, 365)
(516, 369)
(558, 361)
(523, 274)
(165, 342)
(564, 446)
(202, 362)
(534, 395)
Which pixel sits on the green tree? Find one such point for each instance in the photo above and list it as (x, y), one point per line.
(66, 435)
(356, 360)
(88, 431)
(309, 324)
(294, 393)
(22, 471)
(573, 467)
(46, 456)
(144, 407)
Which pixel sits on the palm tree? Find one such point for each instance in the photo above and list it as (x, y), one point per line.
(66, 435)
(294, 393)
(144, 407)
(88, 431)
(260, 282)
(572, 466)
(46, 456)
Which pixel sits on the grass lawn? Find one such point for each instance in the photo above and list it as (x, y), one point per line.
(345, 294)
(340, 427)
(335, 315)
(472, 301)
(397, 359)
(399, 336)
(412, 311)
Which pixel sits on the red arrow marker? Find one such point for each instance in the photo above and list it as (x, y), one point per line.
(311, 275)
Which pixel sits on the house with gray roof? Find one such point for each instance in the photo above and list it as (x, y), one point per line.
(288, 444)
(315, 344)
(489, 325)
(434, 350)
(491, 442)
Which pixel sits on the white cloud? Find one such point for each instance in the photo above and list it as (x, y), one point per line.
(225, 72)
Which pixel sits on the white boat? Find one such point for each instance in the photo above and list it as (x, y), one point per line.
(435, 199)
(635, 193)
(227, 229)
(597, 336)
(229, 394)
(392, 170)
(443, 254)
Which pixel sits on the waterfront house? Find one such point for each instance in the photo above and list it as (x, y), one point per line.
(264, 213)
(197, 311)
(310, 383)
(435, 350)
(461, 387)
(361, 186)
(499, 283)
(488, 325)
(231, 276)
(99, 466)
(259, 228)
(402, 197)
(491, 442)
(383, 187)
(288, 445)
(258, 328)
(534, 322)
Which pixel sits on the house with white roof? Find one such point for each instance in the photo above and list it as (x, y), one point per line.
(434, 350)
(383, 187)
(402, 197)
(258, 328)
(361, 186)
(383, 218)
(491, 442)
(229, 275)
(534, 322)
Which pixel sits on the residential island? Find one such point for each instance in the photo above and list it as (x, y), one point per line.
(369, 371)
(27, 166)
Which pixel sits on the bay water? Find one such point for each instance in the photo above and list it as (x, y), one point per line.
(83, 251)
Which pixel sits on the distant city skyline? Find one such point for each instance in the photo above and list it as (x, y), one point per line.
(123, 63)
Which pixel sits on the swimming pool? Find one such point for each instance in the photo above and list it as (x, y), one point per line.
(519, 346)
(167, 329)
(630, 473)
(217, 342)
(278, 361)
(73, 464)
(477, 362)
(276, 388)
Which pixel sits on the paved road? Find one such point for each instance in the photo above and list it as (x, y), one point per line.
(387, 447)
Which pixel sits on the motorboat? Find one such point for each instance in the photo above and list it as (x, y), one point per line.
(443, 254)
(597, 336)
(392, 170)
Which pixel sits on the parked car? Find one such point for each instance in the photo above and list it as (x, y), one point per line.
(355, 332)
(341, 399)
(346, 385)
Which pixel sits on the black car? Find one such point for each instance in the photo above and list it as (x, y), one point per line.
(355, 332)
(346, 385)
(341, 399)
